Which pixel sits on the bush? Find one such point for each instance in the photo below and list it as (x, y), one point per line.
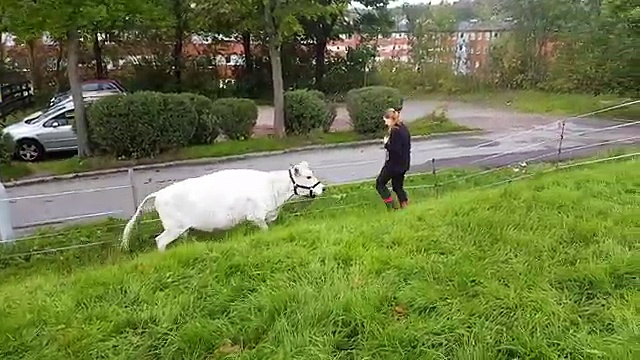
(304, 111)
(7, 148)
(367, 105)
(236, 117)
(143, 124)
(332, 110)
(331, 117)
(206, 130)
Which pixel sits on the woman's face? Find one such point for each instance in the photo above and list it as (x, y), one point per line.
(387, 121)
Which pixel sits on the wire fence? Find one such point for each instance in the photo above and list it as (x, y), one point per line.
(112, 240)
(448, 176)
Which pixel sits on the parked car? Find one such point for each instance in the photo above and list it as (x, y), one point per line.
(88, 87)
(51, 131)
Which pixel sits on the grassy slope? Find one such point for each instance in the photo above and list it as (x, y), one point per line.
(560, 104)
(17, 170)
(545, 268)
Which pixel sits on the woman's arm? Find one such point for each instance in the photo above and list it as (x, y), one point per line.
(394, 144)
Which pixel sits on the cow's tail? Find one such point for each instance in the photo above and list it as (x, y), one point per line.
(126, 234)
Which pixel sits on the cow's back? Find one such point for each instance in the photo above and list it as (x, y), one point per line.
(214, 201)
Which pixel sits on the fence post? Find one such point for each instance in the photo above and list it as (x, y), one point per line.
(6, 228)
(134, 191)
(560, 143)
(435, 175)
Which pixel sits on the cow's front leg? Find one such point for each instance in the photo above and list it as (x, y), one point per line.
(272, 216)
(262, 224)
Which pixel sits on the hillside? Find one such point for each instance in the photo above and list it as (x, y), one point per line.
(542, 268)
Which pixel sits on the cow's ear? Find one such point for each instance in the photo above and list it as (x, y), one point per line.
(296, 170)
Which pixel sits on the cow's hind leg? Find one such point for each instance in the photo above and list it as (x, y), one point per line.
(167, 237)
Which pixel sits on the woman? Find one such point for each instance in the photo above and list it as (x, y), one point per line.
(397, 144)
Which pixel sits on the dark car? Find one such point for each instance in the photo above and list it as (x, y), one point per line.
(90, 86)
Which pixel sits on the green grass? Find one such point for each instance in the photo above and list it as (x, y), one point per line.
(546, 103)
(543, 268)
(557, 104)
(18, 170)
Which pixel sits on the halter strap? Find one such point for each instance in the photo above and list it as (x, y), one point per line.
(297, 186)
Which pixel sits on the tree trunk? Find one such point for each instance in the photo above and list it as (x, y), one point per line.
(248, 56)
(58, 71)
(278, 87)
(320, 48)
(73, 49)
(34, 65)
(275, 53)
(178, 43)
(97, 54)
(2, 52)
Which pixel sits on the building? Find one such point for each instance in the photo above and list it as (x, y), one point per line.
(472, 44)
(466, 48)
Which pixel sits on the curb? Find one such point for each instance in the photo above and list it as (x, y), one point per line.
(222, 159)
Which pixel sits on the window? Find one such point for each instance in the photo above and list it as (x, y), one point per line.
(472, 36)
(62, 119)
(91, 87)
(487, 35)
(107, 86)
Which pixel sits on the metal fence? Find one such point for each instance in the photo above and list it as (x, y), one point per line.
(15, 96)
(63, 204)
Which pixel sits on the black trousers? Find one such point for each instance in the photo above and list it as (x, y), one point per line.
(397, 184)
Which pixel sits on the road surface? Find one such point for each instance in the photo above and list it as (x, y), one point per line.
(470, 115)
(332, 166)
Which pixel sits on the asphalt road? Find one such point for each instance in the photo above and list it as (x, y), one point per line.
(34, 204)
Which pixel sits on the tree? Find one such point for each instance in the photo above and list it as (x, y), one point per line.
(279, 19)
(70, 19)
(321, 29)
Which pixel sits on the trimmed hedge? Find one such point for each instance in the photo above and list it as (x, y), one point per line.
(142, 124)
(206, 130)
(236, 117)
(332, 110)
(331, 117)
(367, 105)
(304, 111)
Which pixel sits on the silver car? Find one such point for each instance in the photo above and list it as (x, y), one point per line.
(49, 130)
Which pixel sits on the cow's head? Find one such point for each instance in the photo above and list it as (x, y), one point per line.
(304, 182)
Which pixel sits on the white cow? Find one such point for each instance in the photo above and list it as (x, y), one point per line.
(225, 198)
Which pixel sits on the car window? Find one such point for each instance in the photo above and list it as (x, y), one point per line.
(64, 118)
(107, 86)
(91, 87)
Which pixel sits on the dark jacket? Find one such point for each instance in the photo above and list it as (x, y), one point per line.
(398, 149)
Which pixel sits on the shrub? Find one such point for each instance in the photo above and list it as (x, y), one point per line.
(7, 146)
(304, 111)
(206, 129)
(367, 105)
(332, 110)
(143, 124)
(236, 117)
(331, 117)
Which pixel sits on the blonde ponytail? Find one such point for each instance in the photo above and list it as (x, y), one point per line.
(394, 116)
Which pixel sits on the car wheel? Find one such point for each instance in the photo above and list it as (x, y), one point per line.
(29, 150)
